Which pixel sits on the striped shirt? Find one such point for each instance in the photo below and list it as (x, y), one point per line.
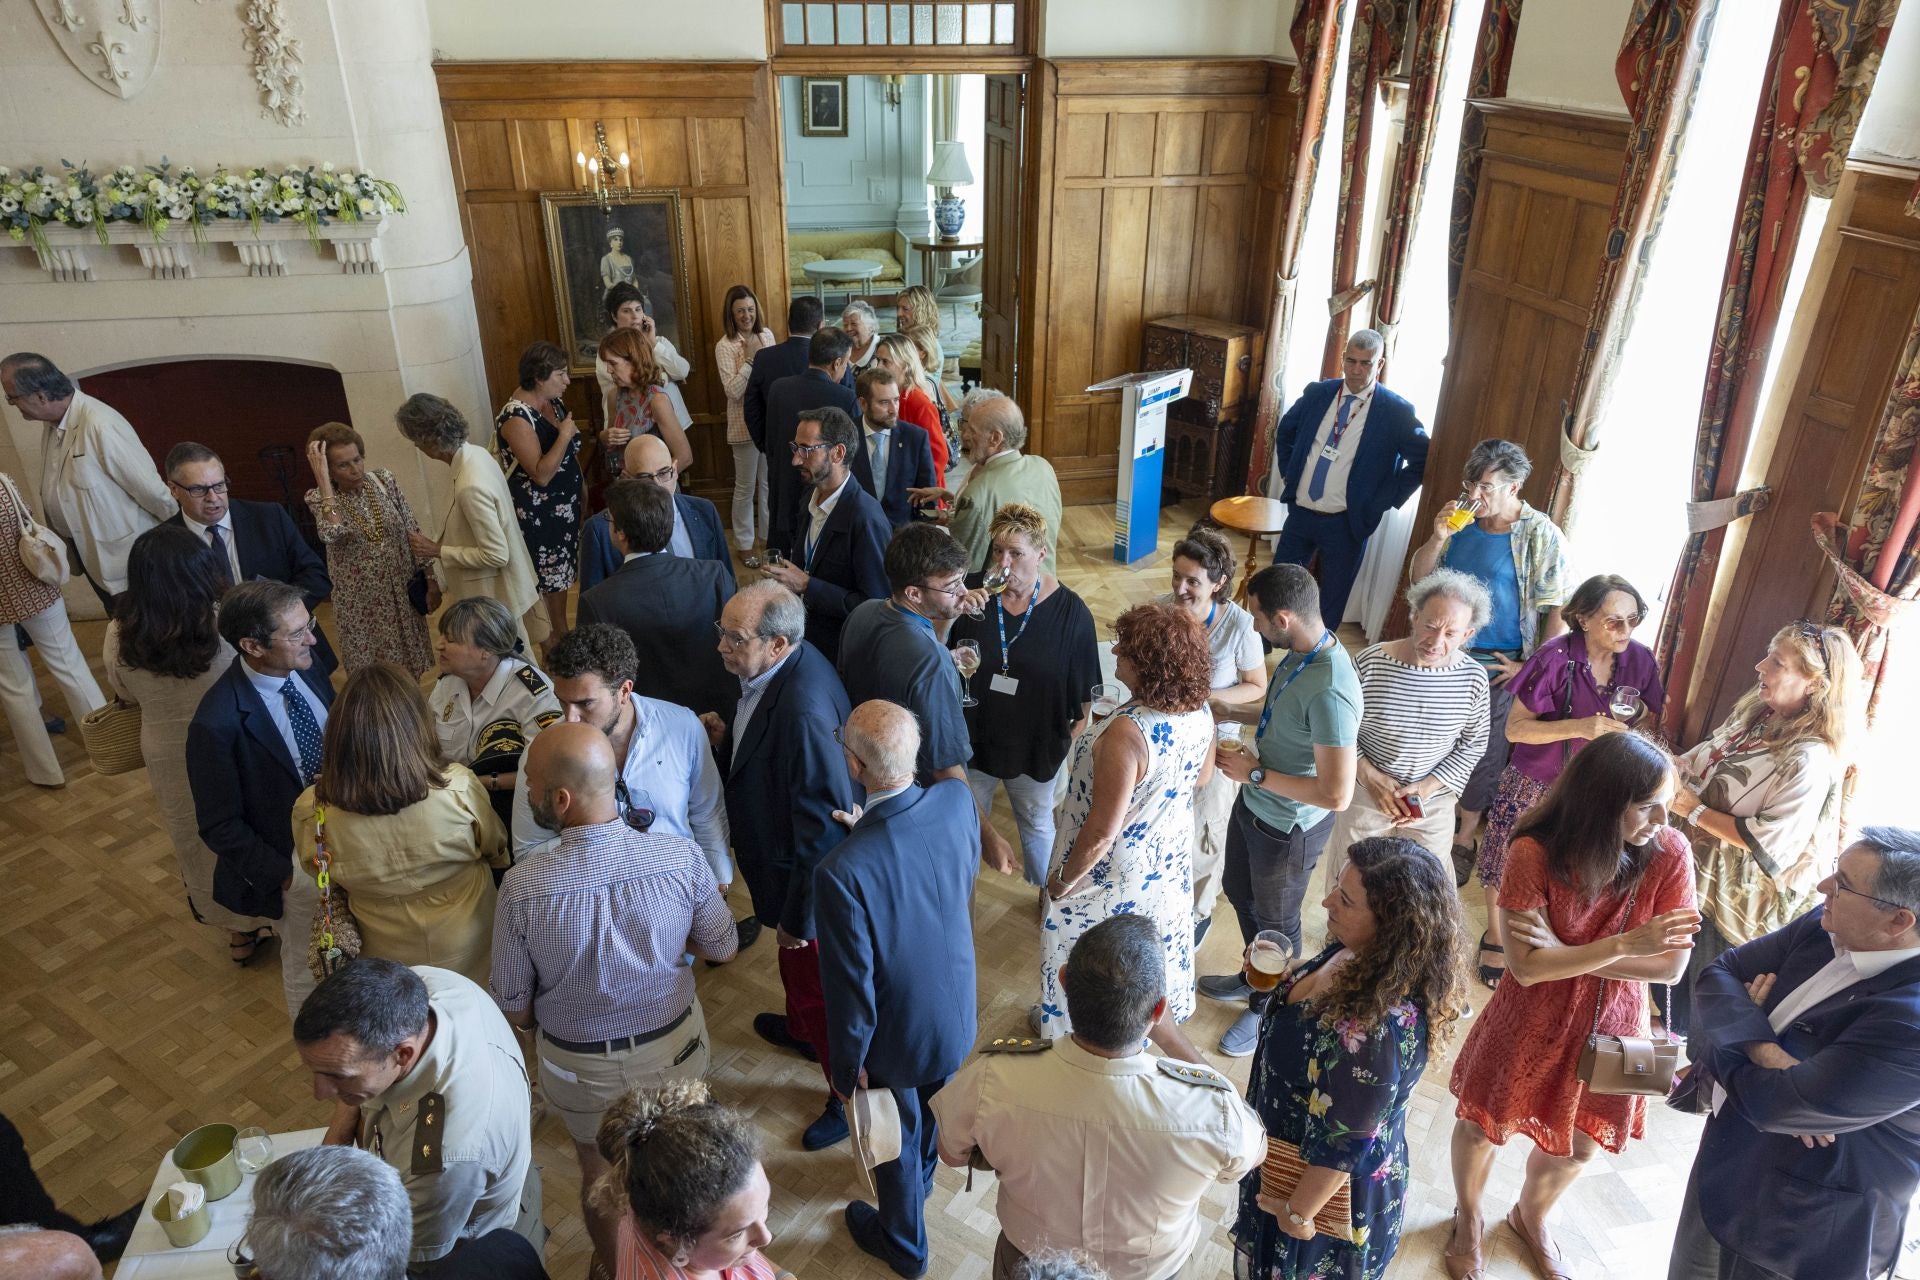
(639, 1260)
(592, 932)
(1422, 720)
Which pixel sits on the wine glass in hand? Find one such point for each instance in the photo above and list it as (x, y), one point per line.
(1624, 703)
(966, 656)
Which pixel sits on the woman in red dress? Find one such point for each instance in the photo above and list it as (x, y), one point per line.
(1598, 896)
(896, 353)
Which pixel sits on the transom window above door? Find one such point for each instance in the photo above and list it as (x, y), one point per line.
(951, 25)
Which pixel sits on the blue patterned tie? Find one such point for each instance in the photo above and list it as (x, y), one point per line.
(1317, 486)
(220, 547)
(306, 730)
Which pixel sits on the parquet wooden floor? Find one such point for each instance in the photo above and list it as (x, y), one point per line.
(123, 1025)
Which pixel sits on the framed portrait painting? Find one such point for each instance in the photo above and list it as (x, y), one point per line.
(823, 106)
(639, 241)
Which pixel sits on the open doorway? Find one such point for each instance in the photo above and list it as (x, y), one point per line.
(897, 181)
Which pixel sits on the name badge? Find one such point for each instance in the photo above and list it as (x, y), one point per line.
(1005, 684)
(1330, 452)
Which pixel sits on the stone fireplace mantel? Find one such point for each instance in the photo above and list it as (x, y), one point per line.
(74, 255)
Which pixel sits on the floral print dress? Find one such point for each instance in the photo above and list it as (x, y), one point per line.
(370, 565)
(1338, 1091)
(549, 514)
(1149, 869)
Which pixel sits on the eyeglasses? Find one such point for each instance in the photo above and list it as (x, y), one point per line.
(201, 490)
(1816, 636)
(638, 816)
(955, 592)
(660, 477)
(1845, 888)
(301, 633)
(733, 639)
(1627, 623)
(799, 448)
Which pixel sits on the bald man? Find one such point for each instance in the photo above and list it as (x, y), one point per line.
(590, 941)
(697, 533)
(891, 908)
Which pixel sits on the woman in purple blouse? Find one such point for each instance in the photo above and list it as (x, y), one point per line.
(1562, 700)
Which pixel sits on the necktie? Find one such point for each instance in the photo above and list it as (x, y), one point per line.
(219, 542)
(1322, 464)
(306, 730)
(878, 441)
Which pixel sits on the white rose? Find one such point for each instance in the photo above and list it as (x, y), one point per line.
(83, 213)
(327, 167)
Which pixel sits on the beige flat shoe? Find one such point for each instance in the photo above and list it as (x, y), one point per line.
(1553, 1266)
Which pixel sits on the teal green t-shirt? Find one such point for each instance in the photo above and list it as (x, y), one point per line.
(1319, 707)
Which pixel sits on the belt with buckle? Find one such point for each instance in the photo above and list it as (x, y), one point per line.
(620, 1045)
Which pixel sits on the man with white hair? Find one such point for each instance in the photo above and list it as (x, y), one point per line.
(863, 326)
(992, 434)
(1349, 451)
(896, 960)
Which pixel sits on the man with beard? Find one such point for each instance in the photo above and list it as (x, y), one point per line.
(840, 562)
(610, 1017)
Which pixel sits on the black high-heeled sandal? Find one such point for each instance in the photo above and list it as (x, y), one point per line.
(243, 952)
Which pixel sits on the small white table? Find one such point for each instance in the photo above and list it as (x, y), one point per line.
(848, 271)
(150, 1257)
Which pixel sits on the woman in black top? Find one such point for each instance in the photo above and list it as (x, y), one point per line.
(1038, 665)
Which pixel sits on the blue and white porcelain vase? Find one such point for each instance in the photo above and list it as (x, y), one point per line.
(949, 215)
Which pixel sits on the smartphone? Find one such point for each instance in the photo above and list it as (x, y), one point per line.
(1414, 805)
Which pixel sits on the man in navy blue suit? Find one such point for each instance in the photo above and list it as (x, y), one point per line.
(785, 777)
(896, 961)
(697, 533)
(1806, 1045)
(259, 539)
(1349, 452)
(783, 360)
(839, 560)
(252, 748)
(821, 385)
(897, 452)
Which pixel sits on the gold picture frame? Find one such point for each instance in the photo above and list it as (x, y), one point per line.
(823, 106)
(585, 262)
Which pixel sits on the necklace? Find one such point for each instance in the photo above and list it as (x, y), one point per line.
(366, 515)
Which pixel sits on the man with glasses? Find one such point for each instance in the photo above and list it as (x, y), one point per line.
(1806, 1051)
(697, 532)
(257, 539)
(824, 382)
(98, 485)
(839, 562)
(785, 778)
(252, 748)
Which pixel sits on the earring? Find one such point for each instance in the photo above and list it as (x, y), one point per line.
(681, 1257)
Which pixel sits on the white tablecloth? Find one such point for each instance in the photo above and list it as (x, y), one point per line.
(150, 1257)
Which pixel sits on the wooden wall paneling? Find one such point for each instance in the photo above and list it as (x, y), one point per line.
(1839, 389)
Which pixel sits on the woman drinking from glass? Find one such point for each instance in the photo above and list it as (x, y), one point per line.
(538, 446)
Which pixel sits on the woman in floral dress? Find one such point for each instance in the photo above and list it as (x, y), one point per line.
(364, 520)
(538, 445)
(1340, 1053)
(1124, 841)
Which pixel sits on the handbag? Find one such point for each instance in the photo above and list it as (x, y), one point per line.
(335, 937)
(112, 738)
(1280, 1176)
(40, 548)
(1628, 1064)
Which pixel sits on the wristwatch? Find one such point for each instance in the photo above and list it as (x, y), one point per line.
(1258, 776)
(1293, 1219)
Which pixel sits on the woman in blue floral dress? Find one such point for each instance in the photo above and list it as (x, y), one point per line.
(539, 448)
(1340, 1053)
(1124, 835)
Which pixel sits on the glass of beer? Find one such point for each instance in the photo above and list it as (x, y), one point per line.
(1266, 961)
(1107, 698)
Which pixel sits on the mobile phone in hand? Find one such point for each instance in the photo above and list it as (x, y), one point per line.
(1414, 805)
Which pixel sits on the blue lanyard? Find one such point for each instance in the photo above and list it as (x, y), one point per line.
(1266, 713)
(1000, 616)
(1212, 609)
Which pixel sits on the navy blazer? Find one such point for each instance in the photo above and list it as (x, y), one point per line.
(786, 495)
(783, 785)
(768, 366)
(668, 605)
(1391, 457)
(909, 465)
(848, 568)
(244, 783)
(600, 559)
(270, 545)
(896, 939)
(1837, 1211)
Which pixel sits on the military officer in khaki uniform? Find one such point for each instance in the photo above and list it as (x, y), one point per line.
(490, 701)
(1099, 1145)
(425, 1073)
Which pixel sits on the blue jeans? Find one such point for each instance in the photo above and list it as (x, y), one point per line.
(1032, 803)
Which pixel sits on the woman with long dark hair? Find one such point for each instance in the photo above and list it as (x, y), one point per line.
(1597, 902)
(538, 445)
(743, 336)
(163, 650)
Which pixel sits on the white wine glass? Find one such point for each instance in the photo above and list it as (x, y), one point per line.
(996, 581)
(966, 656)
(252, 1149)
(1624, 703)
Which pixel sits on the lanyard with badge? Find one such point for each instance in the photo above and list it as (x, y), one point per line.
(1266, 713)
(1003, 682)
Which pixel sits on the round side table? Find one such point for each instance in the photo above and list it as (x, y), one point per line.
(850, 274)
(1257, 518)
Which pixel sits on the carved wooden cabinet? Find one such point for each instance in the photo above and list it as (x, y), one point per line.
(1207, 431)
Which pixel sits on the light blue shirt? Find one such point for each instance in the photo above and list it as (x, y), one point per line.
(670, 760)
(750, 694)
(268, 687)
(681, 544)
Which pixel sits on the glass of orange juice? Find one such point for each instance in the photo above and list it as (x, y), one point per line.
(1465, 512)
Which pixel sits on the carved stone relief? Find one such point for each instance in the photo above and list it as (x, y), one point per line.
(113, 44)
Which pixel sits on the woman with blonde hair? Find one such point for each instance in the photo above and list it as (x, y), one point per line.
(917, 315)
(1761, 796)
(364, 519)
(409, 835)
(897, 354)
(685, 1178)
(640, 403)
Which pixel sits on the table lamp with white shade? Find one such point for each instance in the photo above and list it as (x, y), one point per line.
(949, 170)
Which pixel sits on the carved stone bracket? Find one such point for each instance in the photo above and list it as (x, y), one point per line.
(70, 254)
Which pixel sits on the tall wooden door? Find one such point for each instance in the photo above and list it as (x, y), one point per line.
(1000, 220)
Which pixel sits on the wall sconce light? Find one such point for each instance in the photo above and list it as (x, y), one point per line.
(601, 170)
(892, 89)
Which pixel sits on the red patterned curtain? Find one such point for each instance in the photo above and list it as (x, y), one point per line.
(1380, 26)
(1432, 32)
(1659, 73)
(1492, 60)
(1315, 35)
(1824, 58)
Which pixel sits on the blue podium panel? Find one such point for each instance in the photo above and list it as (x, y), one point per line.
(1143, 446)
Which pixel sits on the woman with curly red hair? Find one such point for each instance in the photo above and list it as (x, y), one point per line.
(1124, 842)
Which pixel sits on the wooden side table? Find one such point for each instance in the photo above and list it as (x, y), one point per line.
(1257, 518)
(929, 249)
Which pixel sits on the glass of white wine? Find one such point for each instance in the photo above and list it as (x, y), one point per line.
(995, 582)
(966, 656)
(252, 1149)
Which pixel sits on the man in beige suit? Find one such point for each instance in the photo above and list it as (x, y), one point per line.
(480, 549)
(97, 482)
